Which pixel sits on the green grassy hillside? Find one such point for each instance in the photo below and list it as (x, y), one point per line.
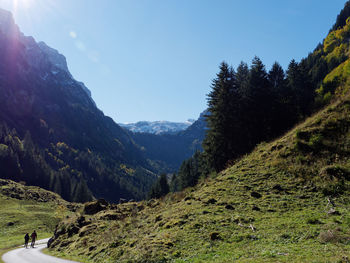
(24, 209)
(287, 201)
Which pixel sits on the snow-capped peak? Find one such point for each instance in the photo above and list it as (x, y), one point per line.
(157, 127)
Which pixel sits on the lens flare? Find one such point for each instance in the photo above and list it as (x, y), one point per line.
(22, 3)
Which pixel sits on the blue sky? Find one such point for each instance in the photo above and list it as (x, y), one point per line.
(155, 59)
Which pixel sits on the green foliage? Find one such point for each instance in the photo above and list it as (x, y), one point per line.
(307, 141)
(334, 180)
(250, 106)
(342, 18)
(75, 175)
(334, 188)
(330, 42)
(315, 141)
(160, 188)
(190, 172)
(3, 150)
(218, 144)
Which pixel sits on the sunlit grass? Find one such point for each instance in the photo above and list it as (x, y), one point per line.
(18, 217)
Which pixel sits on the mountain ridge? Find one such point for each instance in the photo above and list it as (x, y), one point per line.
(157, 127)
(42, 99)
(167, 151)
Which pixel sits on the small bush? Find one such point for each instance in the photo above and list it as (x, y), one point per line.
(316, 141)
(333, 180)
(302, 146)
(327, 97)
(313, 221)
(331, 236)
(335, 172)
(301, 159)
(285, 236)
(334, 189)
(302, 135)
(346, 221)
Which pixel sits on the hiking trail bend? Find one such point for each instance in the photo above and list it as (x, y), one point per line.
(32, 255)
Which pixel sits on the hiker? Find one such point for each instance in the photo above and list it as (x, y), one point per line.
(26, 240)
(33, 236)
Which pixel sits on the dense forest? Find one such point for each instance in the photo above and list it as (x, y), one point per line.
(77, 176)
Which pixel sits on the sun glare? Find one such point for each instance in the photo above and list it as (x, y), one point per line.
(22, 3)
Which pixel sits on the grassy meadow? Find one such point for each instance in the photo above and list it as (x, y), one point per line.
(24, 209)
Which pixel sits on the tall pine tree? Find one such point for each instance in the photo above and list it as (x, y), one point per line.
(218, 145)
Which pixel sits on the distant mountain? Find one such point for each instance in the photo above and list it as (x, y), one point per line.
(51, 132)
(168, 151)
(157, 127)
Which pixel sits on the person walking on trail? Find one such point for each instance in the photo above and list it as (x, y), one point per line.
(33, 236)
(26, 240)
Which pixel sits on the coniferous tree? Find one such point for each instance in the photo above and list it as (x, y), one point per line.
(300, 88)
(276, 77)
(282, 116)
(242, 77)
(217, 145)
(257, 105)
(342, 17)
(160, 188)
(174, 184)
(82, 193)
(57, 186)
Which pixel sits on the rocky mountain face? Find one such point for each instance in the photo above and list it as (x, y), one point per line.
(157, 127)
(39, 96)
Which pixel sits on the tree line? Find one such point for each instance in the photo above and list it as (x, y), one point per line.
(246, 106)
(76, 175)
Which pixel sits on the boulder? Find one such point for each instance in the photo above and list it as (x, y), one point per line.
(256, 208)
(211, 201)
(277, 187)
(255, 195)
(94, 207)
(214, 236)
(229, 207)
(333, 212)
(122, 201)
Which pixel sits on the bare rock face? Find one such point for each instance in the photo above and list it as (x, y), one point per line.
(7, 23)
(25, 56)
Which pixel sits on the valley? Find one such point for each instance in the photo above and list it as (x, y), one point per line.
(263, 175)
(268, 207)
